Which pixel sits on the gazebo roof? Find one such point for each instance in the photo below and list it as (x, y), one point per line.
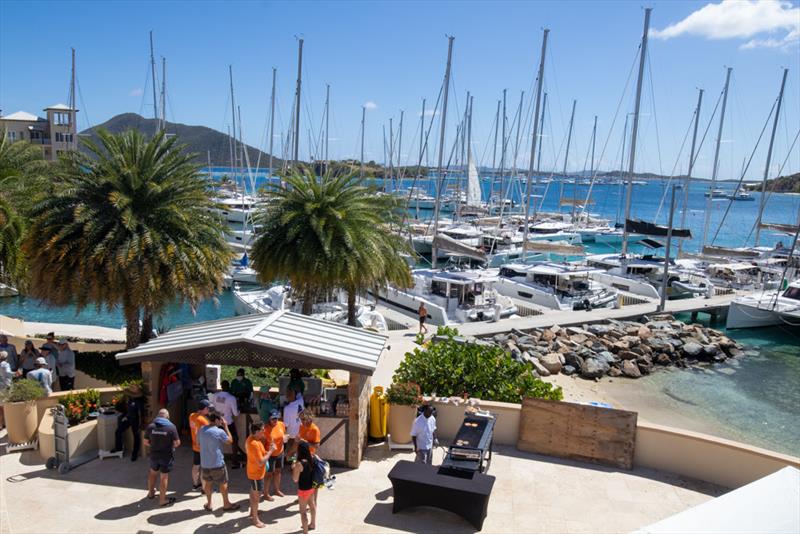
(278, 339)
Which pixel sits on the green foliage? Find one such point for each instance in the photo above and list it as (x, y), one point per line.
(22, 390)
(79, 405)
(259, 376)
(129, 224)
(404, 393)
(419, 339)
(104, 366)
(448, 368)
(327, 233)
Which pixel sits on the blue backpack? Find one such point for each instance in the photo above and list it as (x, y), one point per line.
(321, 475)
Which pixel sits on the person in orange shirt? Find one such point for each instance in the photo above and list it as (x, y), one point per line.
(198, 420)
(275, 432)
(309, 432)
(257, 460)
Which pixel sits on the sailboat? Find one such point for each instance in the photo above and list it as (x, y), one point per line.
(780, 307)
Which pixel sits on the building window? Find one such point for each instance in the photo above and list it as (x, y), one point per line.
(62, 119)
(12, 135)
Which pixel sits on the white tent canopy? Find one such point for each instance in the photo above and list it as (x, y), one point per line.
(279, 339)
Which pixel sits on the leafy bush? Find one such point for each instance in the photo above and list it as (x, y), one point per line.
(448, 368)
(404, 393)
(27, 389)
(79, 405)
(104, 366)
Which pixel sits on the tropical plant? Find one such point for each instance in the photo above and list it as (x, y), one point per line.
(78, 405)
(449, 367)
(328, 233)
(129, 225)
(23, 390)
(404, 393)
(104, 366)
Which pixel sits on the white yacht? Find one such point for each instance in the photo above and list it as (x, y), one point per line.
(552, 231)
(780, 307)
(463, 233)
(558, 286)
(8, 291)
(643, 276)
(236, 209)
(451, 297)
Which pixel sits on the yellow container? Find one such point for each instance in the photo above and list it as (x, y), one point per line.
(377, 413)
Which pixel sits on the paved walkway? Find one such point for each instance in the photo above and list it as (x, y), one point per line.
(531, 494)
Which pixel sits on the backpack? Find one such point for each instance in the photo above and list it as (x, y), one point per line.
(321, 475)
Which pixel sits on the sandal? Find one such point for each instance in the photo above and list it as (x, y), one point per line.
(234, 506)
(170, 501)
(151, 495)
(207, 508)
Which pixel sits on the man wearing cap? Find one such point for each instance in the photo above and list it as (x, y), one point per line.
(65, 364)
(275, 433)
(42, 375)
(49, 358)
(212, 439)
(198, 420)
(162, 438)
(226, 405)
(131, 418)
(50, 344)
(7, 347)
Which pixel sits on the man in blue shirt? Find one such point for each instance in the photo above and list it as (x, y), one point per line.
(162, 438)
(212, 439)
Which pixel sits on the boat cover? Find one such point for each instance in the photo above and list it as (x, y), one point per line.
(646, 228)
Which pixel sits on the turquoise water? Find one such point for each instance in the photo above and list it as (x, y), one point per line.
(754, 399)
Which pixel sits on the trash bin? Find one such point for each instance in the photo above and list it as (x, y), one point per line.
(377, 413)
(106, 430)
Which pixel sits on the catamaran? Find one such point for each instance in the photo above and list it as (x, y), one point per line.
(779, 307)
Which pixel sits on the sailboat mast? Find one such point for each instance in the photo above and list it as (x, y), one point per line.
(709, 202)
(363, 118)
(327, 122)
(494, 150)
(233, 117)
(566, 155)
(400, 140)
(541, 130)
(163, 124)
(763, 200)
(622, 167)
(421, 134)
(296, 147)
(72, 87)
(635, 128)
(272, 120)
(503, 146)
(688, 180)
(442, 130)
(153, 75)
(529, 184)
(469, 131)
(391, 153)
(591, 168)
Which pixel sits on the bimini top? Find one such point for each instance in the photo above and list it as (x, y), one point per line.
(279, 339)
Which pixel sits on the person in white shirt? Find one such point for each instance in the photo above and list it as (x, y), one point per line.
(423, 434)
(42, 375)
(291, 418)
(6, 374)
(225, 404)
(49, 358)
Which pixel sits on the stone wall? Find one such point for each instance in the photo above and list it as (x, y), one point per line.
(358, 395)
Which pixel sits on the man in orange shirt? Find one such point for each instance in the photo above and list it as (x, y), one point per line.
(309, 432)
(275, 433)
(257, 460)
(198, 420)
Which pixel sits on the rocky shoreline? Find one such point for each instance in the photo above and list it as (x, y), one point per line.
(617, 348)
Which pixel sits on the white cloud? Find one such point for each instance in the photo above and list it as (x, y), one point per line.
(369, 104)
(741, 19)
(136, 92)
(429, 113)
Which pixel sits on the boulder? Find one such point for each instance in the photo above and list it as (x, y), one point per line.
(605, 356)
(540, 369)
(551, 362)
(644, 332)
(645, 364)
(578, 338)
(630, 369)
(632, 340)
(598, 329)
(620, 346)
(692, 349)
(710, 350)
(555, 329)
(734, 352)
(663, 359)
(500, 339)
(548, 335)
(594, 368)
(615, 371)
(573, 360)
(568, 370)
(627, 355)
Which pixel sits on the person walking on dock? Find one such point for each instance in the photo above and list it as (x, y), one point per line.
(162, 438)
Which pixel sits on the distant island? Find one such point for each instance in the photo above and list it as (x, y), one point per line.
(781, 184)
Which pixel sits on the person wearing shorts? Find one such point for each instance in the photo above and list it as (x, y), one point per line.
(274, 435)
(198, 420)
(212, 439)
(423, 314)
(257, 460)
(303, 475)
(162, 438)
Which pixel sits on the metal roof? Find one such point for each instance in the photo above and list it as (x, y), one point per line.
(278, 339)
(22, 116)
(60, 107)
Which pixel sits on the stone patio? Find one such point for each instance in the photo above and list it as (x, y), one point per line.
(532, 494)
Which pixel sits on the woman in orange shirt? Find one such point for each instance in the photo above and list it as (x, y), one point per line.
(309, 432)
(257, 459)
(274, 433)
(198, 420)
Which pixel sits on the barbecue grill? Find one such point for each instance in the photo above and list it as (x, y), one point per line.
(471, 450)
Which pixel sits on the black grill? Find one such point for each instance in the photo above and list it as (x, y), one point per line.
(471, 450)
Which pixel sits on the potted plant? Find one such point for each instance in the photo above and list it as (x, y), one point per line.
(403, 399)
(22, 418)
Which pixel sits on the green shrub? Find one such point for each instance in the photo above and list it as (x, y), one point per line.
(448, 368)
(79, 405)
(27, 389)
(404, 393)
(104, 366)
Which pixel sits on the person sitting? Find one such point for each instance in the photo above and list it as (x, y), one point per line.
(131, 418)
(423, 434)
(213, 438)
(42, 375)
(162, 438)
(257, 461)
(227, 406)
(303, 475)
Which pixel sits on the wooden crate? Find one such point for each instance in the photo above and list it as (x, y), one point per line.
(578, 432)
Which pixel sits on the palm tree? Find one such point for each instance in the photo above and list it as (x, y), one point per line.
(128, 225)
(329, 233)
(11, 230)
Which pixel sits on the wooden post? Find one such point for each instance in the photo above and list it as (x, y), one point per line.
(358, 398)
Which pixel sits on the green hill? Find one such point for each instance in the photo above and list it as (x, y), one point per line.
(781, 184)
(199, 139)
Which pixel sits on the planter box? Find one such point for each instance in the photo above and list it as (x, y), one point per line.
(22, 420)
(82, 438)
(400, 421)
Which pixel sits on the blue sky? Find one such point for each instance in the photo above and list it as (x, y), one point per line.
(392, 54)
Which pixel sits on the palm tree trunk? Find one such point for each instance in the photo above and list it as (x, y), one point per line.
(147, 326)
(308, 300)
(132, 329)
(351, 306)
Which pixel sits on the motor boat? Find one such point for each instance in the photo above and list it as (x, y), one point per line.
(643, 275)
(235, 209)
(771, 308)
(716, 193)
(8, 291)
(451, 297)
(552, 231)
(558, 286)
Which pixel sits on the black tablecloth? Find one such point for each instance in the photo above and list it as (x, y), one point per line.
(417, 484)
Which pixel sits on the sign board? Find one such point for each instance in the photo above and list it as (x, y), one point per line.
(578, 432)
